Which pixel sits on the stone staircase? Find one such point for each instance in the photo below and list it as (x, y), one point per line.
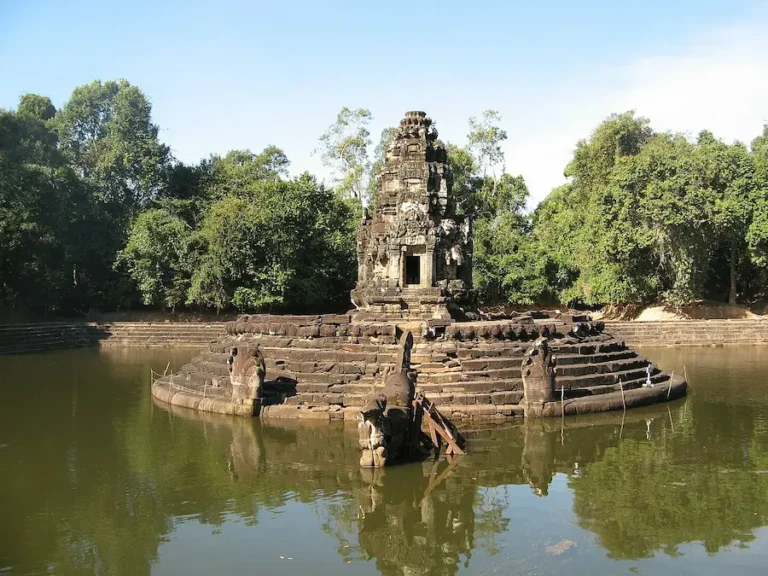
(479, 378)
(41, 337)
(692, 332)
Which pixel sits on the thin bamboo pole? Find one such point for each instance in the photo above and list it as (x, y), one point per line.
(623, 401)
(562, 415)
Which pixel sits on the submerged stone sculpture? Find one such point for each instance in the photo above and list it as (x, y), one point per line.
(371, 433)
(386, 418)
(246, 373)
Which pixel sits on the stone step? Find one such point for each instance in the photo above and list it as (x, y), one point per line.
(471, 387)
(327, 350)
(491, 352)
(322, 388)
(52, 342)
(448, 398)
(657, 379)
(14, 339)
(480, 411)
(316, 399)
(568, 359)
(467, 375)
(592, 380)
(590, 348)
(332, 374)
(468, 365)
(601, 367)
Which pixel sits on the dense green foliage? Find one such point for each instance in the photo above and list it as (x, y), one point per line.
(96, 213)
(651, 216)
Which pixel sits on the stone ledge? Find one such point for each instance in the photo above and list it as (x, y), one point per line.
(691, 332)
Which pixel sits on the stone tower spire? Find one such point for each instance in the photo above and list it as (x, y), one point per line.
(414, 252)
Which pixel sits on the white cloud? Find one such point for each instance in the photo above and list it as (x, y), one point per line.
(717, 81)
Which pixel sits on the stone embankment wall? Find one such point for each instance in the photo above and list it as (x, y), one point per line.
(20, 338)
(17, 338)
(690, 332)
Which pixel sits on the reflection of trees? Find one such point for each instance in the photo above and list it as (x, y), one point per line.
(697, 479)
(642, 496)
(113, 472)
(73, 504)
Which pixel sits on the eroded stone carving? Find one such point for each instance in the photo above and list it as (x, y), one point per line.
(538, 371)
(400, 388)
(386, 421)
(414, 251)
(371, 433)
(246, 372)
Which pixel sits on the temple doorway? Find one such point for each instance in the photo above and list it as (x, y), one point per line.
(412, 271)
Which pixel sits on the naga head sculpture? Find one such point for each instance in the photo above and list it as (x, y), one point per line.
(246, 372)
(404, 354)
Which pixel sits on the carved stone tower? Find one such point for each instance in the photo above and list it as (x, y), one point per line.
(414, 253)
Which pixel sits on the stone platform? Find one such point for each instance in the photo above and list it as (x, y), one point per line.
(322, 367)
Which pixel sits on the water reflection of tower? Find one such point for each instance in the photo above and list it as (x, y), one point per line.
(416, 523)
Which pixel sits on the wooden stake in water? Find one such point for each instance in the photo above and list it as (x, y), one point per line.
(562, 415)
(562, 402)
(669, 388)
(688, 382)
(623, 401)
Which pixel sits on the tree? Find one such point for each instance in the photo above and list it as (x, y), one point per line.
(35, 106)
(508, 267)
(662, 206)
(466, 180)
(595, 251)
(650, 217)
(277, 245)
(40, 203)
(239, 170)
(619, 136)
(730, 180)
(107, 134)
(557, 225)
(757, 233)
(159, 258)
(484, 142)
(344, 149)
(379, 157)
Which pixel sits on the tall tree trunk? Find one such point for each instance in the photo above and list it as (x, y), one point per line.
(732, 292)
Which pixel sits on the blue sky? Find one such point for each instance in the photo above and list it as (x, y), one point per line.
(238, 74)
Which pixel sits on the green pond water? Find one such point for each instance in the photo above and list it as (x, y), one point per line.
(96, 478)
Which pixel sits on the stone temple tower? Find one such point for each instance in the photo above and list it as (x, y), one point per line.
(414, 253)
